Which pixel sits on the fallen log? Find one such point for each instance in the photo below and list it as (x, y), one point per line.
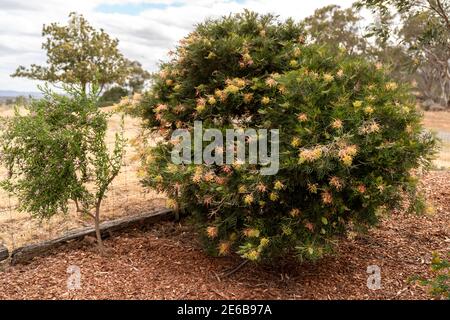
(4, 254)
(26, 253)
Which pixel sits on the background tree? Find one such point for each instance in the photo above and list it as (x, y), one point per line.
(425, 36)
(56, 153)
(78, 54)
(338, 28)
(137, 76)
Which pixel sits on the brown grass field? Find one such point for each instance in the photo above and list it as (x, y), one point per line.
(127, 196)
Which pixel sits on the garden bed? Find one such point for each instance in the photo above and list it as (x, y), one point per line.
(167, 263)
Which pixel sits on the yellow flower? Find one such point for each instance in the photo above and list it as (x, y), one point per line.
(170, 203)
(328, 77)
(340, 73)
(391, 86)
(297, 52)
(248, 199)
(242, 189)
(273, 196)
(278, 185)
(347, 160)
(253, 255)
(159, 179)
(282, 89)
(200, 108)
(172, 168)
(169, 82)
(358, 104)
(251, 233)
(224, 248)
(294, 212)
(265, 100)
(406, 109)
(231, 89)
(409, 129)
(286, 230)
(312, 187)
(212, 232)
(218, 93)
(296, 142)
(368, 110)
(248, 97)
(293, 63)
(264, 242)
(212, 100)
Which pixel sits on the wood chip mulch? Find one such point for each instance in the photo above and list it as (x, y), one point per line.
(168, 263)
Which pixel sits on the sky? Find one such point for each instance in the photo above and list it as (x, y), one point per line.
(146, 29)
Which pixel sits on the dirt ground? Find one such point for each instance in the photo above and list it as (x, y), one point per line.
(168, 263)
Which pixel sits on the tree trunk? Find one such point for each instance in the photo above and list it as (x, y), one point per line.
(97, 225)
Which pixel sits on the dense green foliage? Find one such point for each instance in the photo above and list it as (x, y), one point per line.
(55, 153)
(350, 138)
(78, 54)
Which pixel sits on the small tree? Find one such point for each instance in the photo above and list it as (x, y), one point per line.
(350, 138)
(78, 54)
(137, 76)
(55, 153)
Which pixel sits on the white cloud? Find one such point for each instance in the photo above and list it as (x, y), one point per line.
(146, 37)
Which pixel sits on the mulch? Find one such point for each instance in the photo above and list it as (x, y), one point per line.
(167, 263)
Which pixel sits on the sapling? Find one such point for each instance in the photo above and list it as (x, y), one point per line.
(55, 152)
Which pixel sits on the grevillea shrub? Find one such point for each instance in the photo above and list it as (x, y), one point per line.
(350, 138)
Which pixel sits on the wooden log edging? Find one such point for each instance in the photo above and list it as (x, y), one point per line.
(4, 253)
(26, 253)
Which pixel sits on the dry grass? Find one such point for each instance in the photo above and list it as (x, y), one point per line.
(439, 122)
(125, 197)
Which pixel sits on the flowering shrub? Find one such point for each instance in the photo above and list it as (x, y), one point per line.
(349, 142)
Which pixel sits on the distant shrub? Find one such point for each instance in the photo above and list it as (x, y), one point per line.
(350, 138)
(112, 96)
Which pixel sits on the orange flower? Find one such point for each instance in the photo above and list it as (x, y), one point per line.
(327, 198)
(212, 232)
(302, 117)
(361, 188)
